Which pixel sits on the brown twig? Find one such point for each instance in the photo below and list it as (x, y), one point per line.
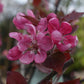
(30, 72)
(67, 64)
(48, 77)
(57, 5)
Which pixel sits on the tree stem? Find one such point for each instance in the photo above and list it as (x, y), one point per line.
(57, 5)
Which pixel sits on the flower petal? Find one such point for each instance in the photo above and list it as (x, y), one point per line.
(68, 42)
(42, 26)
(51, 15)
(30, 13)
(27, 58)
(40, 57)
(45, 43)
(39, 36)
(30, 29)
(14, 53)
(73, 40)
(53, 24)
(56, 36)
(20, 21)
(24, 44)
(16, 35)
(65, 28)
(63, 47)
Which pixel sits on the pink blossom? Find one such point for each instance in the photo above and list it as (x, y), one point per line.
(51, 15)
(40, 38)
(37, 47)
(60, 33)
(32, 46)
(14, 53)
(20, 21)
(1, 7)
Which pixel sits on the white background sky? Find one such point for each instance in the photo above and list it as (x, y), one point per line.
(12, 7)
(21, 1)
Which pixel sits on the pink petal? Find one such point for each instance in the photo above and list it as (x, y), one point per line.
(16, 35)
(45, 43)
(53, 24)
(39, 36)
(63, 47)
(27, 58)
(25, 36)
(73, 40)
(51, 15)
(30, 29)
(24, 44)
(40, 57)
(20, 21)
(56, 36)
(14, 53)
(30, 13)
(1, 7)
(18, 26)
(42, 26)
(65, 28)
(68, 42)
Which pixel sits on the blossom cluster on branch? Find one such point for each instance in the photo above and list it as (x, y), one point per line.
(42, 37)
(46, 42)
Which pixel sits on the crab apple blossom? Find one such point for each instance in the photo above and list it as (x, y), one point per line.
(32, 46)
(20, 20)
(60, 33)
(40, 38)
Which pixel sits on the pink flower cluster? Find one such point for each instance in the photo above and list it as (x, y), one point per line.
(34, 45)
(60, 33)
